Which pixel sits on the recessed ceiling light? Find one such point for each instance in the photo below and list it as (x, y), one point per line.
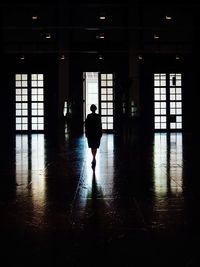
(48, 36)
(100, 36)
(102, 16)
(168, 17)
(35, 17)
(155, 36)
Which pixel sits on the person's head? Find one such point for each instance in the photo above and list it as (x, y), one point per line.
(93, 108)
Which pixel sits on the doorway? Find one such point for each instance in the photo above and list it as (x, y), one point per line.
(98, 89)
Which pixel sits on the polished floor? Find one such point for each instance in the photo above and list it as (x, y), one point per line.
(138, 207)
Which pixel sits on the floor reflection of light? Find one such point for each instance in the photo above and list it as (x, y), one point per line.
(168, 163)
(103, 171)
(160, 163)
(30, 172)
(176, 162)
(22, 168)
(38, 168)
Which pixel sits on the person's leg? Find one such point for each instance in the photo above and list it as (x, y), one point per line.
(94, 152)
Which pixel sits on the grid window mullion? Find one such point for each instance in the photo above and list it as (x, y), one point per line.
(37, 102)
(176, 100)
(21, 102)
(160, 109)
(107, 101)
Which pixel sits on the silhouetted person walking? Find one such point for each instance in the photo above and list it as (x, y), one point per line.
(93, 131)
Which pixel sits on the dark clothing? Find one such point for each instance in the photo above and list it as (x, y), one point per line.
(93, 130)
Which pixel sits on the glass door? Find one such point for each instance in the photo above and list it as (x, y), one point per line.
(168, 101)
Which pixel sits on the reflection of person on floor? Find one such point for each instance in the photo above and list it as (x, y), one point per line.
(93, 131)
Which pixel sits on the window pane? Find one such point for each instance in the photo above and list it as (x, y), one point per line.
(163, 83)
(110, 76)
(40, 76)
(172, 104)
(157, 97)
(163, 97)
(40, 91)
(33, 77)
(24, 84)
(24, 127)
(24, 98)
(163, 111)
(40, 98)
(157, 104)
(40, 112)
(24, 112)
(163, 90)
(34, 98)
(172, 111)
(178, 104)
(34, 83)
(109, 83)
(157, 111)
(18, 98)
(40, 127)
(103, 76)
(24, 77)
(40, 84)
(40, 105)
(178, 97)
(24, 106)
(163, 119)
(40, 120)
(110, 91)
(34, 126)
(179, 125)
(172, 90)
(172, 97)
(34, 119)
(178, 118)
(163, 105)
(163, 125)
(103, 83)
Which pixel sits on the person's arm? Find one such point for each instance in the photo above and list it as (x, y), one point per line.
(86, 127)
(100, 126)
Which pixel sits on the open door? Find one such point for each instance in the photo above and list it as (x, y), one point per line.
(98, 89)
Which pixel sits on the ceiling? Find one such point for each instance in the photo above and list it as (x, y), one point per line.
(75, 27)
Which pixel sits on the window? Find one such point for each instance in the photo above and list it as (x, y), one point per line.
(106, 89)
(167, 101)
(29, 102)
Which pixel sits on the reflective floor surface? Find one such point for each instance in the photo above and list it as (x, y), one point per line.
(138, 207)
